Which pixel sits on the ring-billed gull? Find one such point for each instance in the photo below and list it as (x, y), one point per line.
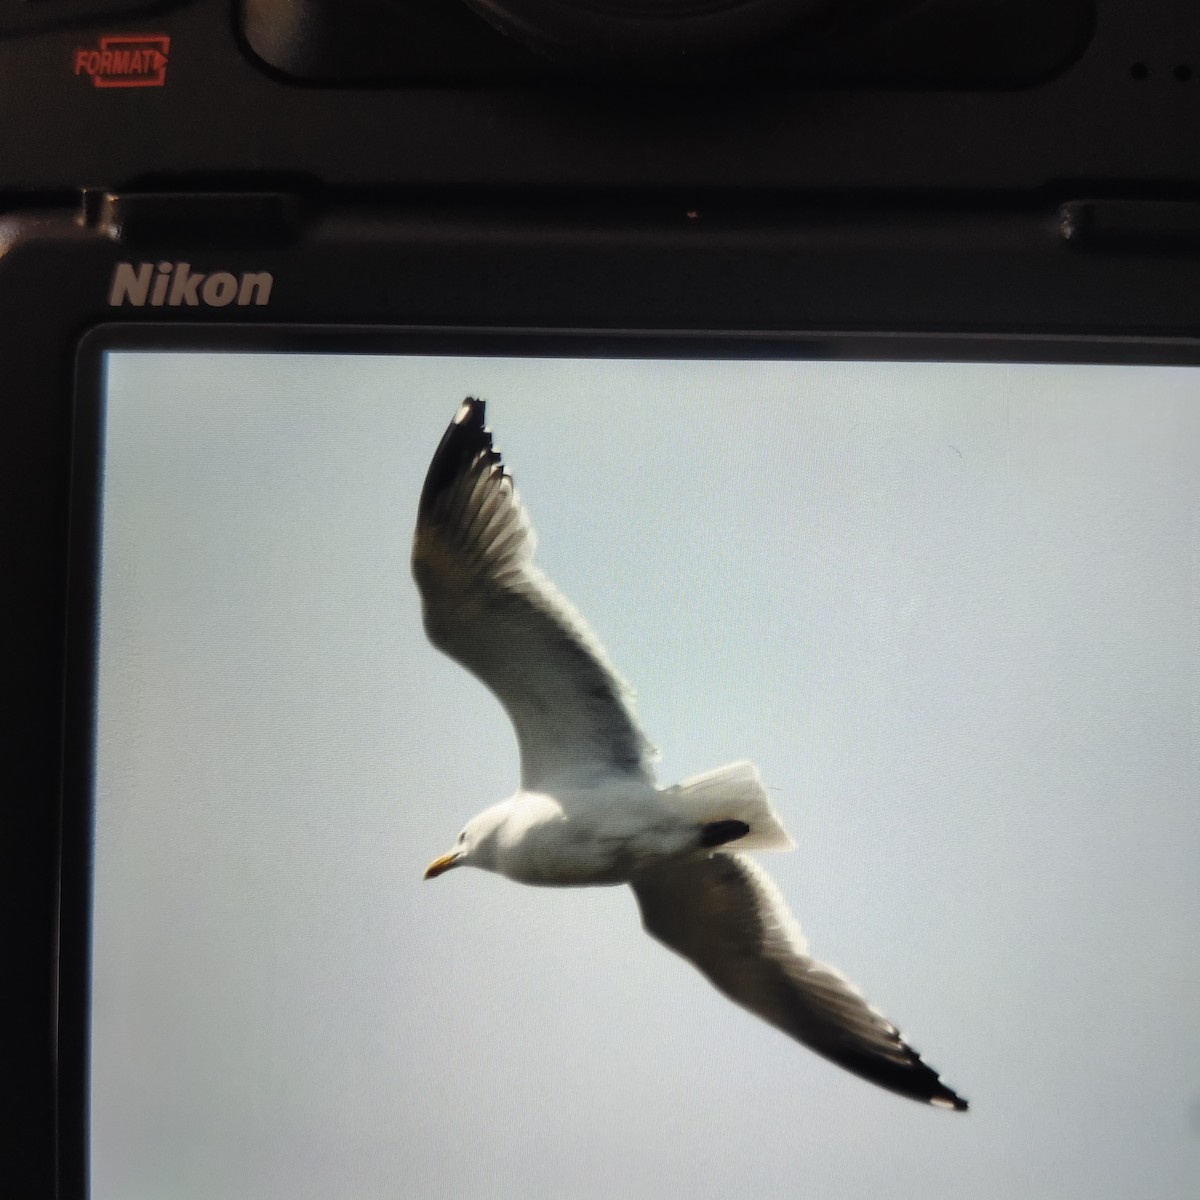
(588, 810)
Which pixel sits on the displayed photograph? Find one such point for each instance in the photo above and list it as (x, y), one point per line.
(824, 737)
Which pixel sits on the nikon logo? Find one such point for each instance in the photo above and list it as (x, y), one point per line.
(175, 283)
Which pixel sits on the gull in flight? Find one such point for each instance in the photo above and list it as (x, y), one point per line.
(588, 810)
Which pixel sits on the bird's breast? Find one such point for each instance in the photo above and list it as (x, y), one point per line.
(588, 839)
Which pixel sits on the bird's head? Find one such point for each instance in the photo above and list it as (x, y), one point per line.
(476, 844)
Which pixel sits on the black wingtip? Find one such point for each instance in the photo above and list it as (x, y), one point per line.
(915, 1078)
(925, 1084)
(945, 1098)
(465, 438)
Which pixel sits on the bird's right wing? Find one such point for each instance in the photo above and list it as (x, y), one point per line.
(488, 607)
(725, 916)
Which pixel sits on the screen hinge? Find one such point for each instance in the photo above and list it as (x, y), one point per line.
(200, 218)
(1130, 224)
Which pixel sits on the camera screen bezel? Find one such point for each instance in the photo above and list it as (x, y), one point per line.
(86, 488)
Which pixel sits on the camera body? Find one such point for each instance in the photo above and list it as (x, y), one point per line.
(904, 172)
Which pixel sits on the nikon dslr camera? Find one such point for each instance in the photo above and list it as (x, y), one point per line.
(843, 355)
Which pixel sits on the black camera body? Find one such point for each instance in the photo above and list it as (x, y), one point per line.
(765, 176)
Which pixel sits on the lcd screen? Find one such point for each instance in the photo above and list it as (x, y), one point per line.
(950, 612)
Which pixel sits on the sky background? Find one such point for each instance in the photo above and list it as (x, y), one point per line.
(952, 612)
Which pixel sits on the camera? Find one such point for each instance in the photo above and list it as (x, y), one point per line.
(844, 357)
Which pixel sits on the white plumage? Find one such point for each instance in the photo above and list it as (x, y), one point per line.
(588, 810)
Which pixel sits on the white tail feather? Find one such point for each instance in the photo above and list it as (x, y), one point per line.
(733, 792)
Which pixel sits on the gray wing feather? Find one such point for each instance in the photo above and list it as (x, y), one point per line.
(489, 608)
(725, 916)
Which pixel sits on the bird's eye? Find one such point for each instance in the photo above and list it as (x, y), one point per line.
(462, 835)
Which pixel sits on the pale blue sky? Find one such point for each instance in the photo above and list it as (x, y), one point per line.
(951, 611)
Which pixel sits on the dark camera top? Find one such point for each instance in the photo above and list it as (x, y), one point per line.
(995, 96)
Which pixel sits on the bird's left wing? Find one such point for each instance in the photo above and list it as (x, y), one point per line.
(725, 915)
(488, 607)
